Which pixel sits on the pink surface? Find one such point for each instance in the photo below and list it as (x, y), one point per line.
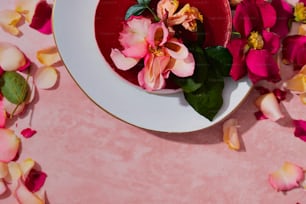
(92, 157)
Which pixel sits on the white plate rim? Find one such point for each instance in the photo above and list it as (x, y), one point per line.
(74, 36)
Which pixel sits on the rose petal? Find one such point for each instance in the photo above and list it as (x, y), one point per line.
(2, 113)
(269, 106)
(9, 145)
(3, 170)
(15, 172)
(272, 41)
(297, 83)
(262, 66)
(26, 8)
(12, 58)
(48, 56)
(293, 50)
(13, 109)
(176, 50)
(230, 134)
(300, 129)
(268, 14)
(45, 77)
(284, 14)
(184, 67)
(121, 61)
(9, 20)
(24, 196)
(237, 50)
(31, 90)
(35, 180)
(287, 177)
(28, 132)
(41, 19)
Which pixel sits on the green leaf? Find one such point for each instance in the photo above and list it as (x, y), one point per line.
(208, 100)
(14, 87)
(135, 10)
(220, 59)
(143, 2)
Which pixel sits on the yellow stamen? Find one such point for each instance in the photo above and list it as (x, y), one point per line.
(255, 41)
(300, 12)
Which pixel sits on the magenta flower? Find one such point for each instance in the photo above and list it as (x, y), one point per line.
(294, 50)
(253, 52)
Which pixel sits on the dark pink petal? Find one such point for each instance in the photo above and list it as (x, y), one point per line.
(262, 66)
(35, 180)
(268, 14)
(280, 94)
(236, 48)
(284, 12)
(303, 1)
(41, 20)
(300, 129)
(28, 132)
(272, 41)
(262, 90)
(247, 18)
(260, 116)
(294, 50)
(26, 65)
(2, 114)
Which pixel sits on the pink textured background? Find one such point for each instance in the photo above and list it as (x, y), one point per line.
(92, 157)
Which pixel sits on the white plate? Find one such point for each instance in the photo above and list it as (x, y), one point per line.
(73, 25)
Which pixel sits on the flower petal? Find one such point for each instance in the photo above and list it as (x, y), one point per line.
(2, 113)
(262, 66)
(158, 34)
(9, 20)
(184, 67)
(9, 145)
(15, 173)
(41, 19)
(3, 187)
(268, 14)
(166, 8)
(48, 56)
(303, 98)
(46, 77)
(269, 106)
(237, 49)
(287, 177)
(24, 196)
(176, 50)
(260, 116)
(284, 14)
(300, 129)
(122, 62)
(297, 83)
(27, 8)
(28, 132)
(13, 109)
(3, 170)
(12, 58)
(230, 134)
(35, 180)
(272, 41)
(280, 94)
(293, 51)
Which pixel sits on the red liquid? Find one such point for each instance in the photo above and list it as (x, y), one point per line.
(110, 15)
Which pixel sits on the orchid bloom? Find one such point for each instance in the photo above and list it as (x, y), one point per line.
(186, 16)
(162, 54)
(253, 52)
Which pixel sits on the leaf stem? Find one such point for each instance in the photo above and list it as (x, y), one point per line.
(152, 12)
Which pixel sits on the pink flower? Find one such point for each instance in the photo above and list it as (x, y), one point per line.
(161, 52)
(300, 129)
(294, 50)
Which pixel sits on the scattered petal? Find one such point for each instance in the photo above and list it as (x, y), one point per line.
(41, 19)
(3, 170)
(31, 90)
(293, 51)
(300, 129)
(26, 166)
(230, 134)
(35, 180)
(28, 132)
(13, 109)
(287, 177)
(9, 145)
(269, 106)
(48, 56)
(46, 77)
(9, 20)
(14, 172)
(3, 187)
(26, 8)
(2, 113)
(24, 196)
(297, 83)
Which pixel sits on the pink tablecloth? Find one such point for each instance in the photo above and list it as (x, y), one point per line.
(92, 157)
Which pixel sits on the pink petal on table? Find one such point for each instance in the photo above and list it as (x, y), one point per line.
(26, 8)
(31, 91)
(28, 132)
(269, 106)
(12, 109)
(24, 196)
(3, 170)
(35, 180)
(26, 166)
(237, 50)
(3, 187)
(230, 134)
(12, 58)
(286, 178)
(9, 145)
(121, 61)
(41, 19)
(262, 66)
(45, 77)
(300, 129)
(271, 41)
(14, 172)
(9, 20)
(48, 56)
(2, 113)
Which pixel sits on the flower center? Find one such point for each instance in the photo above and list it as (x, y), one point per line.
(300, 12)
(157, 51)
(255, 41)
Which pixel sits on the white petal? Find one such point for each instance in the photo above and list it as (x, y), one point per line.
(269, 106)
(11, 58)
(122, 62)
(45, 77)
(184, 67)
